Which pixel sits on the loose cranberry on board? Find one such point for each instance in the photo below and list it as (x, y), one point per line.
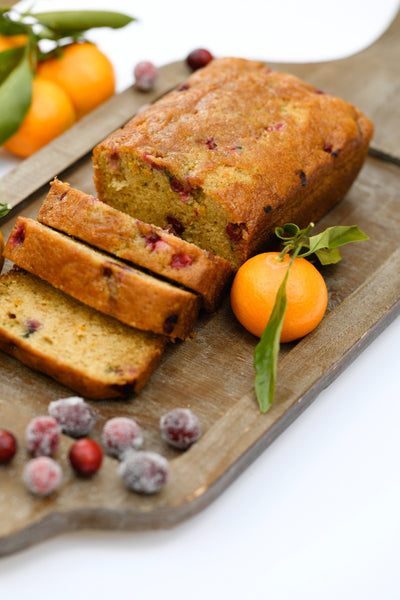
(8, 446)
(42, 436)
(180, 428)
(42, 476)
(145, 74)
(121, 434)
(199, 58)
(144, 472)
(86, 457)
(75, 417)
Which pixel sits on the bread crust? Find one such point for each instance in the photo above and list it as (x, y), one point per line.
(260, 147)
(102, 282)
(26, 299)
(81, 215)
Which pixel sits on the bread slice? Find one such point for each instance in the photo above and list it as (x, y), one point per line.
(86, 218)
(102, 282)
(91, 353)
(235, 151)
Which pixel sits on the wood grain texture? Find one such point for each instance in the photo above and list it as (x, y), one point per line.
(213, 373)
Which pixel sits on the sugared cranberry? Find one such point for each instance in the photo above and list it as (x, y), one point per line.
(121, 434)
(8, 446)
(42, 475)
(144, 472)
(145, 75)
(42, 436)
(180, 261)
(180, 428)
(75, 417)
(199, 58)
(85, 456)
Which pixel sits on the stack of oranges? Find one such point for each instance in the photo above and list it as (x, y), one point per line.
(65, 88)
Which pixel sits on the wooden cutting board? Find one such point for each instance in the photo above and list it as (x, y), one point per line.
(213, 373)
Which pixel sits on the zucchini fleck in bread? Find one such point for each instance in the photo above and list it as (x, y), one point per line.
(235, 151)
(98, 224)
(100, 281)
(91, 353)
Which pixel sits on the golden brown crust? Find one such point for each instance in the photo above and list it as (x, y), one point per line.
(101, 281)
(255, 142)
(68, 335)
(86, 218)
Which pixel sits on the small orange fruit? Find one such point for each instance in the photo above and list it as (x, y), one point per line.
(254, 292)
(12, 41)
(84, 73)
(50, 114)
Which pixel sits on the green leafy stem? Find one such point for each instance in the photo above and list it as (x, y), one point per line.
(298, 244)
(17, 65)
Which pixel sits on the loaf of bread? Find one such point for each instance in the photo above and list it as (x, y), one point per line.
(232, 153)
(98, 224)
(102, 282)
(91, 353)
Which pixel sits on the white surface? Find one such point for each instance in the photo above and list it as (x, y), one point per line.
(317, 515)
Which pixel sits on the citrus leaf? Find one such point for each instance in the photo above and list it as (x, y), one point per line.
(267, 350)
(9, 59)
(76, 21)
(15, 98)
(8, 27)
(329, 256)
(333, 237)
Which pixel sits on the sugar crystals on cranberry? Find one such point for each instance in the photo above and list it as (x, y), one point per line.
(121, 434)
(144, 472)
(42, 476)
(75, 417)
(180, 428)
(42, 436)
(145, 75)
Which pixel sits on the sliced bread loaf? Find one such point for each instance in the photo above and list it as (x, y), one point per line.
(98, 224)
(91, 353)
(101, 281)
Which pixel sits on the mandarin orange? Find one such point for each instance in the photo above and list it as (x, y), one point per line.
(85, 74)
(255, 287)
(50, 114)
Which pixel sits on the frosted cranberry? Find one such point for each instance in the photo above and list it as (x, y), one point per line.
(199, 58)
(180, 428)
(85, 456)
(8, 446)
(144, 472)
(145, 75)
(75, 417)
(121, 434)
(180, 261)
(42, 436)
(42, 475)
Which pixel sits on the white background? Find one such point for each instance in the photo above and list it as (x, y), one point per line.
(317, 515)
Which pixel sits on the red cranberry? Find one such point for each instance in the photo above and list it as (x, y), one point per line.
(145, 75)
(180, 428)
(121, 434)
(199, 58)
(42, 475)
(75, 417)
(42, 436)
(180, 261)
(144, 472)
(8, 446)
(18, 235)
(85, 456)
